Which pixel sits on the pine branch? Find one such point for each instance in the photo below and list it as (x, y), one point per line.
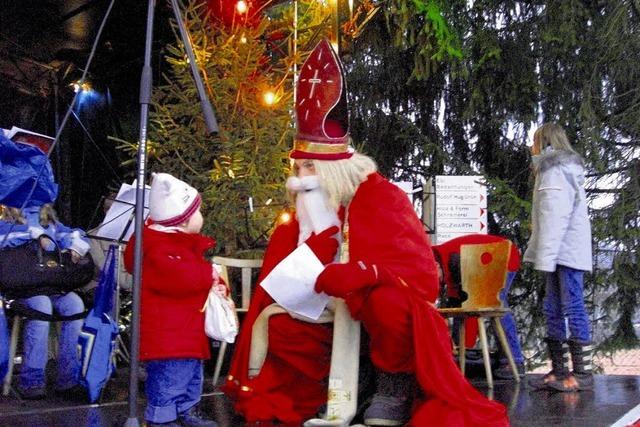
(604, 190)
(611, 171)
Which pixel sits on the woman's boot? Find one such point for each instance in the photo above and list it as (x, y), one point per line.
(559, 355)
(582, 376)
(391, 404)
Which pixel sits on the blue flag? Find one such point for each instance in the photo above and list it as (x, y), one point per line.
(97, 340)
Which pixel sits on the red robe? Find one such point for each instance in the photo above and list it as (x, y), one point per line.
(405, 330)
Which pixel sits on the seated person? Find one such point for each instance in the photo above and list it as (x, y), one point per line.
(387, 277)
(448, 256)
(41, 223)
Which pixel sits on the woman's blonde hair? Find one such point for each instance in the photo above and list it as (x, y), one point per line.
(47, 215)
(553, 135)
(12, 215)
(340, 178)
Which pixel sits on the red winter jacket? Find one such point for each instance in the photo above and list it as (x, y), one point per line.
(176, 279)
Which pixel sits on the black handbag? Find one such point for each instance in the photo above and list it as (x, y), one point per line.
(28, 270)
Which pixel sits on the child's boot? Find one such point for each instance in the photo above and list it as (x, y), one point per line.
(559, 355)
(193, 418)
(582, 376)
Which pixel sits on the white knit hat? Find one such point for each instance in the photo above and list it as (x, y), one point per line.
(171, 201)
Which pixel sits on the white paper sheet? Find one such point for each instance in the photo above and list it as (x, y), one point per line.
(291, 283)
(119, 220)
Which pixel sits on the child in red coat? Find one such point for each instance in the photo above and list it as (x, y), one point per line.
(176, 279)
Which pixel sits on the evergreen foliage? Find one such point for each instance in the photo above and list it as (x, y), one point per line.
(249, 156)
(435, 88)
(420, 112)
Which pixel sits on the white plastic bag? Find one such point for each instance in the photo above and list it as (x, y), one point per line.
(220, 318)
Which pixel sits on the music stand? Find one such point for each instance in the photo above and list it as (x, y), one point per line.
(118, 223)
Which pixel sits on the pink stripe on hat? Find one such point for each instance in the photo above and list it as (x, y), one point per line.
(176, 220)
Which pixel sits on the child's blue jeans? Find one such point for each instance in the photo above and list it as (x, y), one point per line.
(509, 324)
(565, 299)
(172, 387)
(36, 342)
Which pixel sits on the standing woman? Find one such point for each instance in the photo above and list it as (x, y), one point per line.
(560, 247)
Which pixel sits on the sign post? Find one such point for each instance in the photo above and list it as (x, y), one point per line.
(460, 206)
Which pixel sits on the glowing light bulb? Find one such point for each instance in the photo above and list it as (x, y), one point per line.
(285, 217)
(241, 6)
(77, 87)
(243, 39)
(269, 98)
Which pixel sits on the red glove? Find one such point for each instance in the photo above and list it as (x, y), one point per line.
(339, 280)
(324, 245)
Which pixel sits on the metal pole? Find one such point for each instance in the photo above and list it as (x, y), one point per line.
(145, 100)
(335, 25)
(207, 108)
(295, 51)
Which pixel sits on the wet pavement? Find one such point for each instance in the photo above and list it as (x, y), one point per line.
(612, 397)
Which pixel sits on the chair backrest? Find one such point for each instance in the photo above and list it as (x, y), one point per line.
(483, 268)
(246, 266)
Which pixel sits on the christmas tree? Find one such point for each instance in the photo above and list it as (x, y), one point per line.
(247, 53)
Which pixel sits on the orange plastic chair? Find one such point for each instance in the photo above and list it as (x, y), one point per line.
(483, 269)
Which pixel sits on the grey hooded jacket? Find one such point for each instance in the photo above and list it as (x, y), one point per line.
(561, 231)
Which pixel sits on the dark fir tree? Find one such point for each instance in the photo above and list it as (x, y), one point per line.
(456, 88)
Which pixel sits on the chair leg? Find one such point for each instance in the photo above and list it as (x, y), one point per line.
(342, 393)
(462, 348)
(15, 330)
(216, 371)
(505, 347)
(485, 351)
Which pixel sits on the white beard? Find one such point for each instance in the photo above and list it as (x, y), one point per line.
(312, 210)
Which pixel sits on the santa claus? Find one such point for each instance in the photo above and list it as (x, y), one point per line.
(384, 270)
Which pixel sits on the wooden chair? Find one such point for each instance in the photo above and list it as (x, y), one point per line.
(483, 269)
(246, 266)
(13, 345)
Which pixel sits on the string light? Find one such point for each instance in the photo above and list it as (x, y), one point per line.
(77, 87)
(241, 6)
(269, 98)
(285, 217)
